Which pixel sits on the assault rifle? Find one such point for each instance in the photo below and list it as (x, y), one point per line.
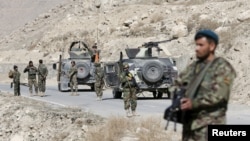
(134, 83)
(173, 112)
(24, 84)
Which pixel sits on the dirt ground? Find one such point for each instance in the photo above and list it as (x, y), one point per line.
(117, 24)
(43, 29)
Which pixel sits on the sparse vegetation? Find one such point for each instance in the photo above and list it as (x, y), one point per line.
(143, 31)
(140, 129)
(156, 18)
(195, 2)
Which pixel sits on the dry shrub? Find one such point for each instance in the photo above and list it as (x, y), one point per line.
(111, 30)
(141, 31)
(208, 24)
(156, 2)
(192, 22)
(113, 130)
(195, 2)
(156, 18)
(141, 129)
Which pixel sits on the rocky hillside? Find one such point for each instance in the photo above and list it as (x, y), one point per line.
(117, 24)
(24, 119)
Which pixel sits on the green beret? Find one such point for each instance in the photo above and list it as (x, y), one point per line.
(209, 34)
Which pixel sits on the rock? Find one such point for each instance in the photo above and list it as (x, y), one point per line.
(17, 138)
(244, 16)
(127, 23)
(85, 128)
(144, 16)
(179, 31)
(168, 11)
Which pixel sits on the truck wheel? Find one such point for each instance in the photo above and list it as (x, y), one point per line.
(82, 70)
(93, 88)
(152, 71)
(154, 94)
(61, 88)
(117, 94)
(157, 95)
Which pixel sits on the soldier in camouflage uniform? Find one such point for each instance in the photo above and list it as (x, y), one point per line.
(42, 74)
(99, 82)
(129, 91)
(73, 78)
(32, 71)
(16, 81)
(209, 104)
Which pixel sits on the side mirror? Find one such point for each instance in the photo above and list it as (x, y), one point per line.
(174, 62)
(54, 66)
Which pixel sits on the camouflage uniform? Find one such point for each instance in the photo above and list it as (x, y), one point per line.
(42, 74)
(99, 82)
(129, 93)
(73, 79)
(16, 82)
(32, 71)
(209, 104)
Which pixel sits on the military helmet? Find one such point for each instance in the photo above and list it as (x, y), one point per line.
(15, 67)
(125, 65)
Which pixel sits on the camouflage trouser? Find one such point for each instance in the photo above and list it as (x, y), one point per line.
(74, 84)
(99, 89)
(41, 85)
(130, 99)
(200, 134)
(195, 135)
(17, 88)
(31, 83)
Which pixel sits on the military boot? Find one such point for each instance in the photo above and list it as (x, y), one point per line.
(128, 114)
(134, 113)
(98, 98)
(42, 94)
(76, 94)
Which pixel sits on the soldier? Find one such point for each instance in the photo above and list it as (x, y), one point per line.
(129, 91)
(32, 71)
(73, 78)
(208, 103)
(94, 53)
(42, 74)
(16, 81)
(99, 82)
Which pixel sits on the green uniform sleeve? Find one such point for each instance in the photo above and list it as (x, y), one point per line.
(73, 71)
(123, 78)
(218, 88)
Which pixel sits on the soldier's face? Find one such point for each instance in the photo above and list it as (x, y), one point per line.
(31, 64)
(203, 48)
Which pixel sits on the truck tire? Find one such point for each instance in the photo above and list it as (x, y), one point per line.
(117, 94)
(157, 95)
(61, 88)
(152, 71)
(83, 70)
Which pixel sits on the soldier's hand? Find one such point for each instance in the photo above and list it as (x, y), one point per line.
(129, 78)
(186, 104)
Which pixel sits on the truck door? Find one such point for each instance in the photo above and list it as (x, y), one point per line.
(111, 74)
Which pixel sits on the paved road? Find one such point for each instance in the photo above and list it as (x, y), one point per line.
(147, 106)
